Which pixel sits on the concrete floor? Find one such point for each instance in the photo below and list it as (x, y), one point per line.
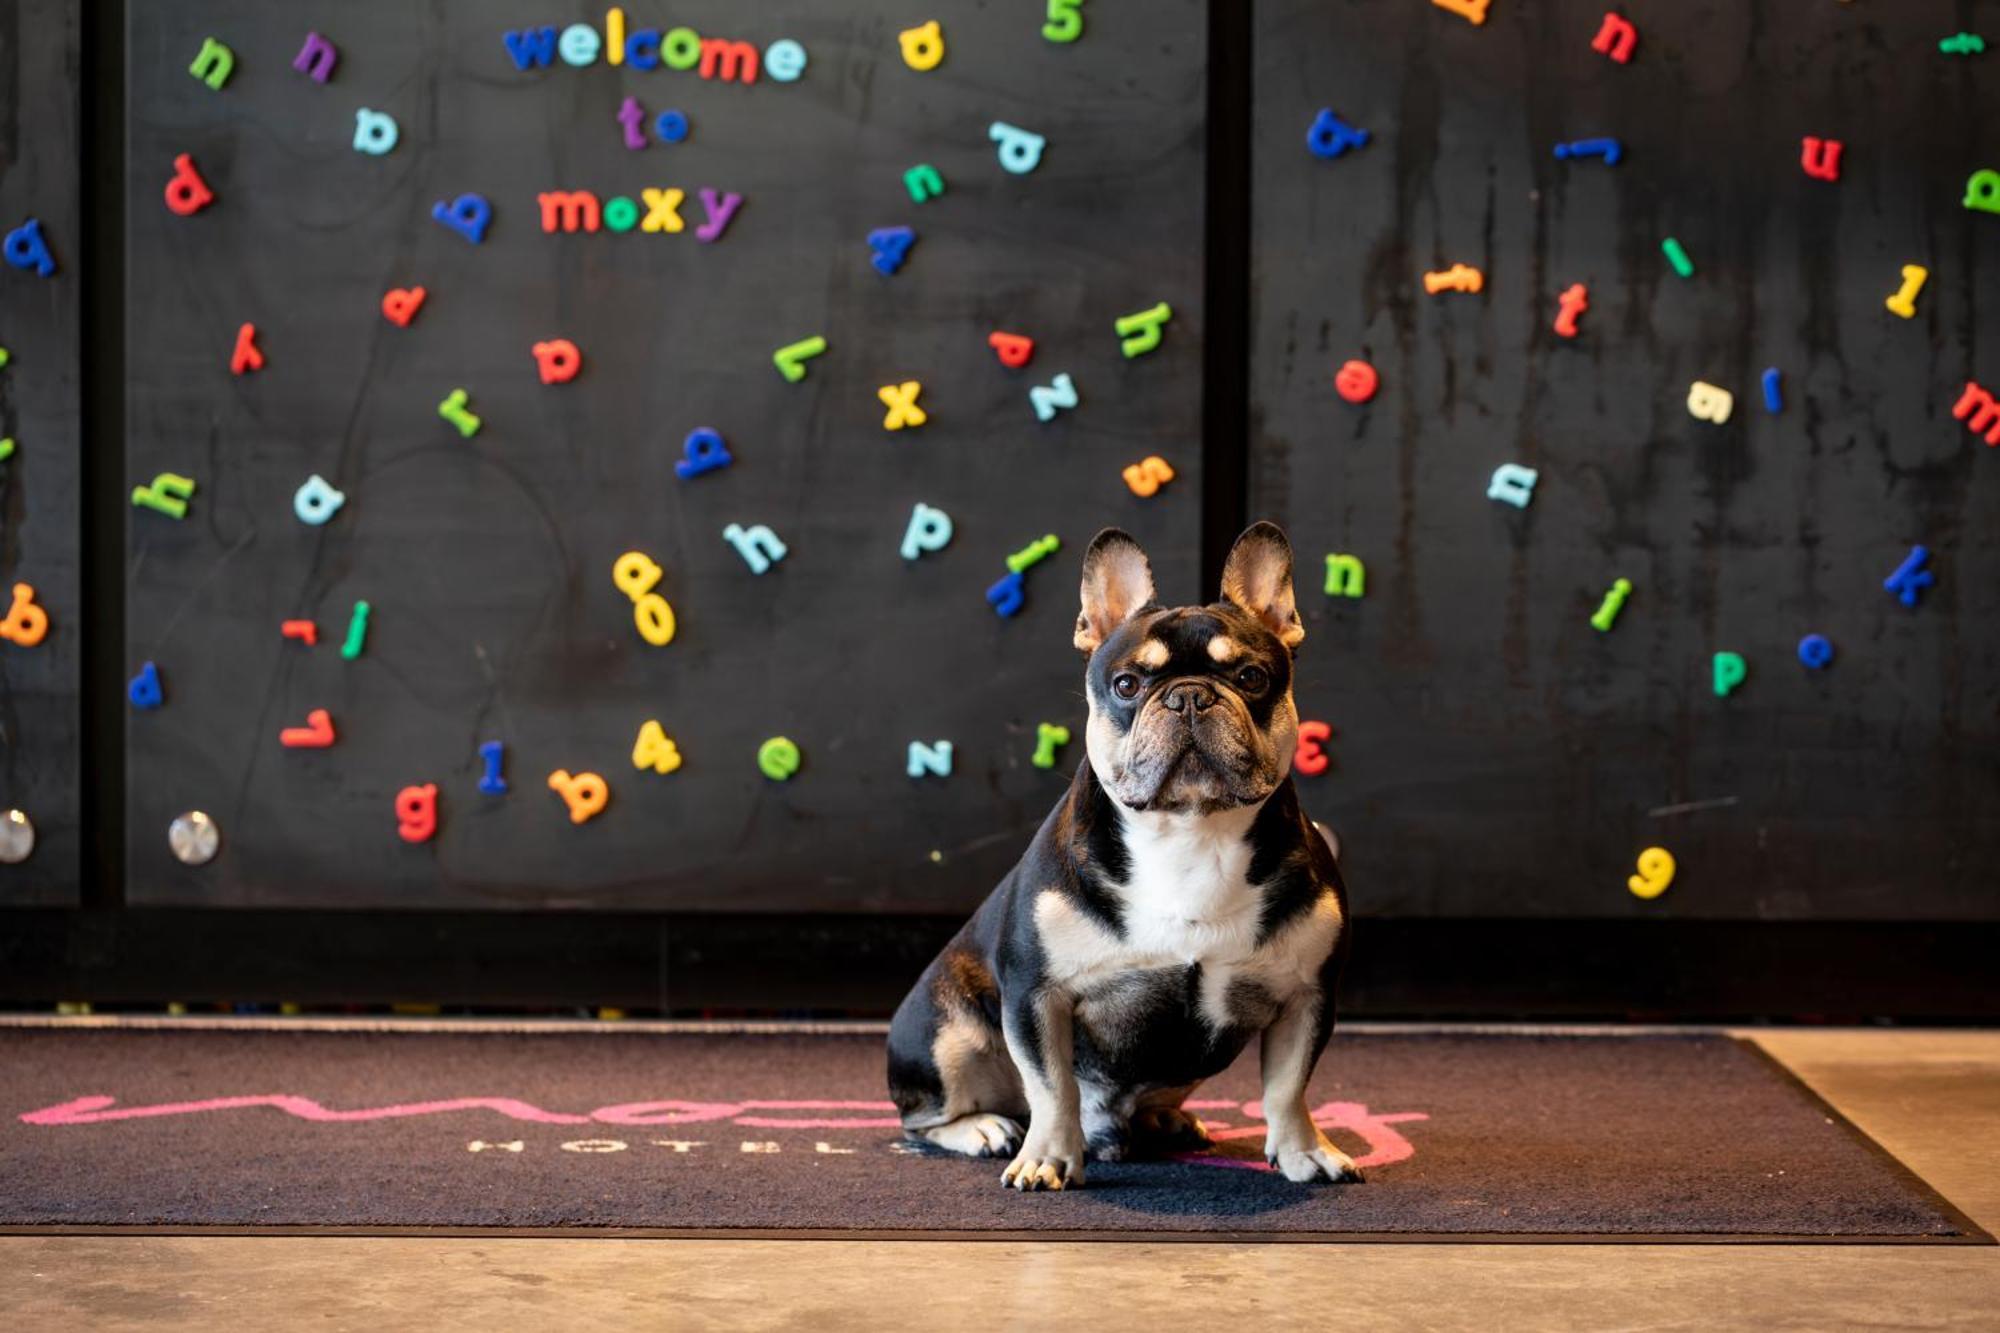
(1932, 1098)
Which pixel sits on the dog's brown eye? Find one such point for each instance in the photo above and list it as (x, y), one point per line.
(1252, 680)
(1125, 685)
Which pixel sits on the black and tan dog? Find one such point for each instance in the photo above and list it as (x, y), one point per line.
(1175, 904)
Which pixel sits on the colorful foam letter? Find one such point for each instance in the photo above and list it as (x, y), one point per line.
(1356, 381)
(1047, 737)
(492, 782)
(1346, 576)
(247, 355)
(213, 63)
(1512, 484)
(25, 623)
(1615, 38)
(932, 759)
(1141, 331)
(778, 758)
(1607, 611)
(316, 58)
(1065, 21)
(187, 193)
(923, 46)
(655, 749)
(888, 247)
(1472, 11)
(557, 360)
(316, 734)
(1774, 390)
(1911, 578)
(168, 494)
(1978, 410)
(469, 215)
(454, 410)
(1820, 158)
(1656, 871)
(357, 632)
(375, 132)
(923, 182)
(585, 794)
(400, 305)
(930, 530)
(1729, 670)
(1329, 136)
(1059, 393)
(1708, 403)
(26, 248)
(1816, 651)
(758, 545)
(417, 812)
(1012, 348)
(790, 359)
(1309, 757)
(1904, 301)
(144, 689)
(1006, 596)
(316, 501)
(1574, 300)
(901, 400)
(1020, 150)
(703, 451)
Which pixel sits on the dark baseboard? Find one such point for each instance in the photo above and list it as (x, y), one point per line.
(1572, 970)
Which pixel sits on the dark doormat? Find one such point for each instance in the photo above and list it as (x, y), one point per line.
(1509, 1136)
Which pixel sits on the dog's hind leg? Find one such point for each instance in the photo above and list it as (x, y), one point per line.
(949, 1070)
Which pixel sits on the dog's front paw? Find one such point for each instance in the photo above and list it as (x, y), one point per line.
(1307, 1160)
(1046, 1163)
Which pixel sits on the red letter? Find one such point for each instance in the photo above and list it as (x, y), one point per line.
(568, 210)
(733, 59)
(559, 360)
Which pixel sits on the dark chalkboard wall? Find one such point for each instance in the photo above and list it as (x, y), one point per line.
(487, 562)
(40, 510)
(1494, 754)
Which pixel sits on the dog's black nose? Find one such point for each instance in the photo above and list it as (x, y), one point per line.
(1179, 695)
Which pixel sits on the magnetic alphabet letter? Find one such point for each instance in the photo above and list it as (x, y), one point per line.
(1978, 410)
(1346, 576)
(923, 46)
(932, 759)
(187, 193)
(469, 215)
(1512, 484)
(655, 749)
(213, 63)
(930, 530)
(1329, 136)
(890, 246)
(901, 400)
(1141, 331)
(1615, 38)
(585, 794)
(1020, 150)
(758, 545)
(25, 623)
(1911, 578)
(1309, 758)
(316, 58)
(316, 501)
(1012, 349)
(1146, 476)
(1708, 403)
(26, 248)
(1820, 158)
(417, 812)
(375, 132)
(557, 360)
(704, 452)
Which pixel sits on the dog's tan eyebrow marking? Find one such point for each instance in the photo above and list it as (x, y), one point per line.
(1152, 655)
(1222, 648)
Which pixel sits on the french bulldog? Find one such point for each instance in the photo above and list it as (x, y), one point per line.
(1175, 903)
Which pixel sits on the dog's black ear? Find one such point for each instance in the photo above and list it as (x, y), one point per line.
(1117, 580)
(1258, 579)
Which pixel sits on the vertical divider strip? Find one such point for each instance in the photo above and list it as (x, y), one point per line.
(101, 202)
(1225, 397)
